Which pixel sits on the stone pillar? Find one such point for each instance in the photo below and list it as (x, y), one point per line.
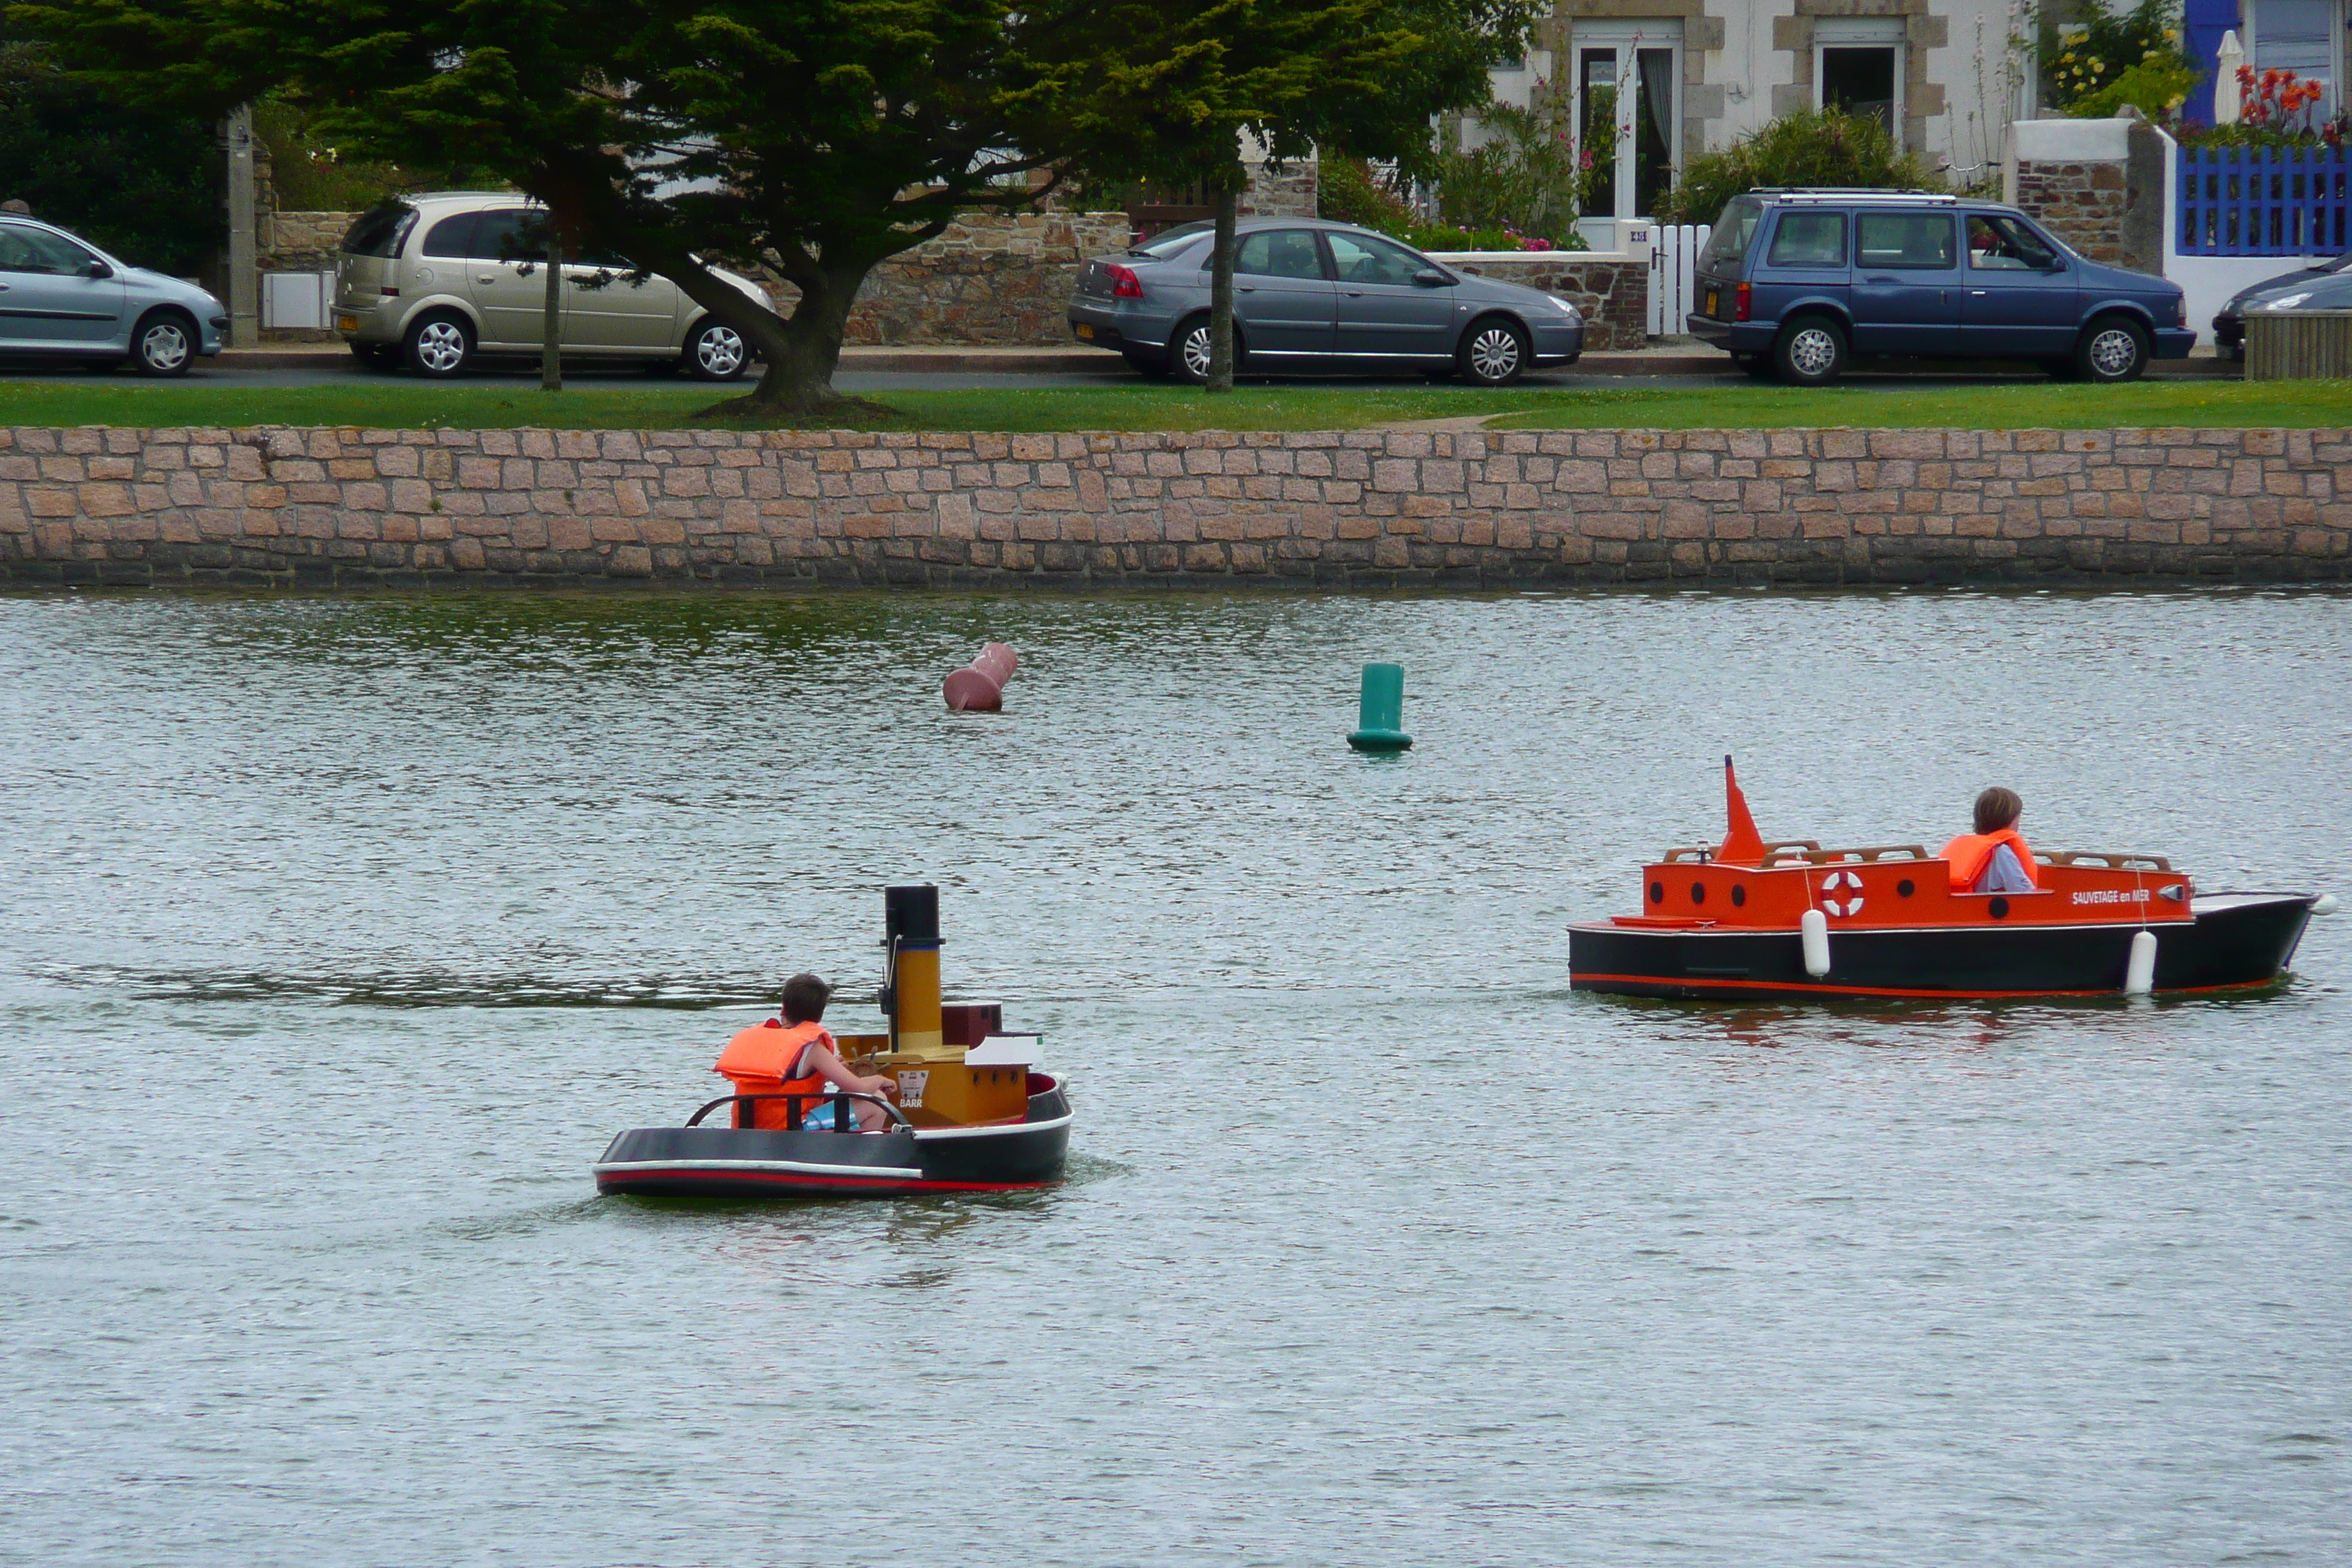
(1290, 191)
(2072, 174)
(244, 278)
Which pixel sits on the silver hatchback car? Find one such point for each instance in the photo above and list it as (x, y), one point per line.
(63, 298)
(434, 282)
(1315, 295)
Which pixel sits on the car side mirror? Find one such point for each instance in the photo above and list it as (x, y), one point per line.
(1431, 278)
(94, 267)
(2056, 264)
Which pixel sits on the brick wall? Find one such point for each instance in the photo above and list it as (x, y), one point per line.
(1362, 508)
(1614, 296)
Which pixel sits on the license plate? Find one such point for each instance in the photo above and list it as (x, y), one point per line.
(1085, 332)
(347, 323)
(1713, 297)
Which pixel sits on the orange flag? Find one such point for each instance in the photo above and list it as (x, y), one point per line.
(1743, 846)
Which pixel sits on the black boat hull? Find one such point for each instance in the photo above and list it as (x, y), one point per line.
(749, 1163)
(2236, 942)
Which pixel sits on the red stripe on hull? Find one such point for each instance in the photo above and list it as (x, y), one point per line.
(1793, 988)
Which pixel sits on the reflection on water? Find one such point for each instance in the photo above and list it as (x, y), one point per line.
(338, 937)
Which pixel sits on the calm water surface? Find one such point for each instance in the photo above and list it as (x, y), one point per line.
(336, 938)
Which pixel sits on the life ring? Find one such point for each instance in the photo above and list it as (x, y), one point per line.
(1850, 907)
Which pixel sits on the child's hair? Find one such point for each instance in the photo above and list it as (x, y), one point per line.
(1997, 808)
(804, 999)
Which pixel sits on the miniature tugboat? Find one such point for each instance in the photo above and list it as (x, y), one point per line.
(972, 1113)
(1791, 921)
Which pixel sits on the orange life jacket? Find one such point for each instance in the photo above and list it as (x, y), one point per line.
(1971, 853)
(756, 1060)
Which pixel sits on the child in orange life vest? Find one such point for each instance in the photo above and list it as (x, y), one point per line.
(1994, 859)
(798, 1057)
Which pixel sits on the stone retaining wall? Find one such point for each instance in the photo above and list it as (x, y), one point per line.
(1613, 295)
(406, 508)
(992, 278)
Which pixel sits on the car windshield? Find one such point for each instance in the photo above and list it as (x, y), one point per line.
(381, 230)
(1733, 231)
(1169, 241)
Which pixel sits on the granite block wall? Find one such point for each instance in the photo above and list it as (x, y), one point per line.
(330, 508)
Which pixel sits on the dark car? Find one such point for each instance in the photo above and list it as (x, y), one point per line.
(1800, 282)
(2230, 325)
(1311, 295)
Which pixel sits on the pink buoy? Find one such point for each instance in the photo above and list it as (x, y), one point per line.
(979, 687)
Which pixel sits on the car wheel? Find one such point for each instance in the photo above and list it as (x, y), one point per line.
(716, 351)
(1493, 352)
(439, 346)
(2112, 349)
(1188, 356)
(1810, 353)
(164, 344)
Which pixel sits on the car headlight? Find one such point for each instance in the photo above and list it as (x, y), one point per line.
(1568, 307)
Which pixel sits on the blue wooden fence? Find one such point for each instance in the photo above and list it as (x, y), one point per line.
(2265, 201)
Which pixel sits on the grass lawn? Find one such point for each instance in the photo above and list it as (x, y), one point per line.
(1144, 405)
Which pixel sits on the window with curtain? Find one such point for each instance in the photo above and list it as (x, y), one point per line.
(1654, 137)
(2298, 35)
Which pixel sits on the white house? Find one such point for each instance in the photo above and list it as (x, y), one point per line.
(1680, 76)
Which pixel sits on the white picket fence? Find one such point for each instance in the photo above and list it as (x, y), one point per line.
(1673, 274)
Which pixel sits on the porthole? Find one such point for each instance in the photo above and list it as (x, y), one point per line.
(1997, 909)
(1905, 888)
(1698, 892)
(1739, 895)
(1657, 892)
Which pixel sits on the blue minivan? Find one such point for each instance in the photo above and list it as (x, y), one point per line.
(1799, 282)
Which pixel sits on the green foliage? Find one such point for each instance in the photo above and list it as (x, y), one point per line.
(142, 184)
(313, 173)
(1347, 191)
(1528, 177)
(1351, 193)
(2088, 55)
(1810, 147)
(2157, 87)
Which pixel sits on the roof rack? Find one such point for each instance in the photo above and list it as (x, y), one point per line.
(1847, 192)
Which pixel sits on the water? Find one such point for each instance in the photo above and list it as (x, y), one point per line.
(337, 937)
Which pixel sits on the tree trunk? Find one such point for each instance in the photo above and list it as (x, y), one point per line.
(550, 331)
(800, 352)
(1221, 290)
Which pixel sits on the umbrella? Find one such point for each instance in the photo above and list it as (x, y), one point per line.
(2226, 90)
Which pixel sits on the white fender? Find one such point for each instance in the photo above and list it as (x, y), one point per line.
(2324, 905)
(2139, 974)
(1814, 931)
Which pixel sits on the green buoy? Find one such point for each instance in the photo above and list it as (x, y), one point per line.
(1380, 717)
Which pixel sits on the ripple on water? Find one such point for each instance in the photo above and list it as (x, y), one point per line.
(339, 936)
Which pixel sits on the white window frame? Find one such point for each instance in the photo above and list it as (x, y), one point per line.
(2251, 34)
(1626, 38)
(1861, 32)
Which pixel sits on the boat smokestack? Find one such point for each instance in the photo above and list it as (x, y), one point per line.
(910, 930)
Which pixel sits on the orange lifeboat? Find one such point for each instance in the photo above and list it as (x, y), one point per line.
(1790, 919)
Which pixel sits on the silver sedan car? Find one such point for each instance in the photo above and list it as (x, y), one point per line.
(63, 298)
(1312, 295)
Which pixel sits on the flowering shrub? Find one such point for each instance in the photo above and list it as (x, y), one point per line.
(1530, 178)
(2276, 101)
(1809, 147)
(2089, 55)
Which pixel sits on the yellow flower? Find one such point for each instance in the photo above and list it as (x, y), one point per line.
(2097, 64)
(2065, 57)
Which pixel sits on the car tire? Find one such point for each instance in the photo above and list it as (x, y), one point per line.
(1810, 351)
(439, 345)
(1188, 351)
(1494, 351)
(2112, 349)
(163, 344)
(716, 351)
